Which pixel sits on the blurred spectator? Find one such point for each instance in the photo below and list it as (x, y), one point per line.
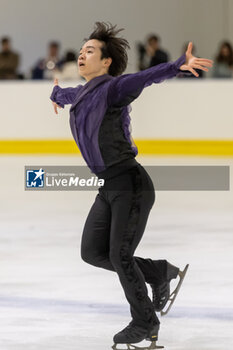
(151, 54)
(45, 68)
(224, 61)
(9, 60)
(187, 74)
(69, 69)
(153, 50)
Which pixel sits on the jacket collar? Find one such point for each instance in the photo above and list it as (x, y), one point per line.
(89, 86)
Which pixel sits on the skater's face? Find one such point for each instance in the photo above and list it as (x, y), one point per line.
(90, 64)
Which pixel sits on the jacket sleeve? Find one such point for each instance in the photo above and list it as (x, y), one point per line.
(65, 96)
(125, 88)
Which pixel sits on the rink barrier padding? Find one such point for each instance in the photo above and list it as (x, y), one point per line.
(145, 147)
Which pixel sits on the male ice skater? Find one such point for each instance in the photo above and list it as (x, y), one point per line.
(99, 121)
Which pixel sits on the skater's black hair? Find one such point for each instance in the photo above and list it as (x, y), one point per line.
(113, 46)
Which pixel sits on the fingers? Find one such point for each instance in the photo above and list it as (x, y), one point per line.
(194, 72)
(194, 62)
(204, 62)
(55, 81)
(197, 66)
(55, 108)
(190, 47)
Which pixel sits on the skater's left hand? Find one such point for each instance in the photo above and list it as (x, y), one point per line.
(194, 62)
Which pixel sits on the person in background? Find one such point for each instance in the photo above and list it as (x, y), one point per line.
(224, 61)
(151, 54)
(69, 69)
(44, 68)
(184, 74)
(9, 60)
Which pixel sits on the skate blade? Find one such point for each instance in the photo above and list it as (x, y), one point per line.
(173, 295)
(152, 346)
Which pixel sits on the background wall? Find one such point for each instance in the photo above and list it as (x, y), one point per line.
(32, 23)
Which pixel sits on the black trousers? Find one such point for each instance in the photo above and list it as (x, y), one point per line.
(113, 230)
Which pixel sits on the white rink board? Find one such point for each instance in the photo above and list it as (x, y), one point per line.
(172, 110)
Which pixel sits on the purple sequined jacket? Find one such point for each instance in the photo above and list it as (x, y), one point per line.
(99, 113)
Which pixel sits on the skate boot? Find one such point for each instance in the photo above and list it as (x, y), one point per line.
(135, 334)
(161, 293)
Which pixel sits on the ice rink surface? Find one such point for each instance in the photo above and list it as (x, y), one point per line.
(51, 300)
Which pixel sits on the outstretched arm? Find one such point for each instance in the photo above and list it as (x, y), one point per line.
(60, 97)
(125, 88)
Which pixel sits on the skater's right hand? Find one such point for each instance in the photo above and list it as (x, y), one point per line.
(55, 106)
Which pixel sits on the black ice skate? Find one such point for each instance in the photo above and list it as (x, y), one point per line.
(161, 293)
(135, 334)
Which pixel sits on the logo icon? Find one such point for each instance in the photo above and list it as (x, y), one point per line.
(35, 178)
